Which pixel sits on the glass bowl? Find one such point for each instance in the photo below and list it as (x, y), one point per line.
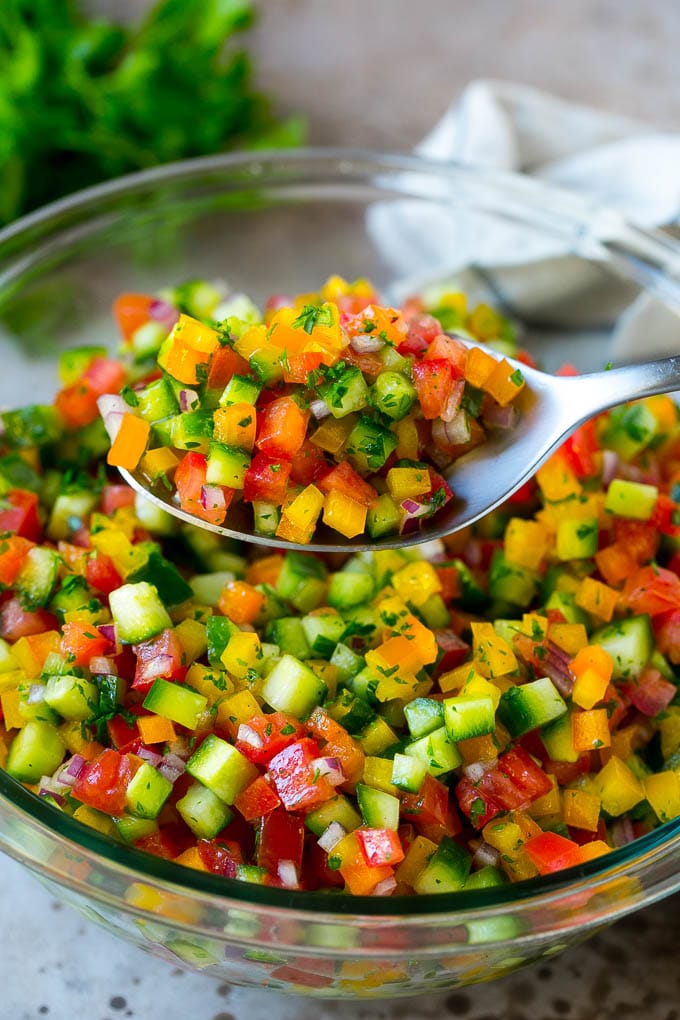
(566, 271)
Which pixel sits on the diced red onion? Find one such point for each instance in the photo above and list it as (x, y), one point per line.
(75, 766)
(433, 551)
(36, 694)
(163, 312)
(455, 432)
(103, 665)
(610, 466)
(413, 508)
(180, 748)
(152, 757)
(556, 665)
(497, 417)
(364, 343)
(622, 831)
(330, 769)
(485, 856)
(212, 498)
(108, 630)
(331, 836)
(160, 665)
(172, 767)
(249, 736)
(276, 301)
(187, 399)
(452, 405)
(439, 458)
(112, 407)
(288, 875)
(46, 791)
(386, 887)
(475, 770)
(319, 409)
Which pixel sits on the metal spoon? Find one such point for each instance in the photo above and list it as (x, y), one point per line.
(551, 409)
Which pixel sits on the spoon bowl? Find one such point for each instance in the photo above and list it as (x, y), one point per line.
(551, 408)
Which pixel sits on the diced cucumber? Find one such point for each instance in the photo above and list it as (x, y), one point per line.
(352, 712)
(192, 430)
(32, 708)
(437, 750)
(203, 811)
(131, 829)
(434, 612)
(323, 633)
(369, 445)
(631, 499)
(346, 661)
(510, 583)
(523, 708)
(237, 307)
(147, 792)
(346, 390)
(364, 684)
(293, 687)
(240, 389)
(467, 716)
(302, 581)
(35, 425)
(630, 428)
(207, 588)
(157, 400)
(156, 520)
(485, 878)
(380, 810)
(565, 602)
(37, 578)
(446, 871)
(72, 697)
(162, 575)
(393, 394)
(37, 750)
(221, 768)
(266, 517)
(630, 643)
(408, 772)
(266, 364)
(227, 465)
(180, 704)
(423, 715)
(339, 809)
(288, 633)
(348, 589)
(473, 598)
(558, 739)
(384, 517)
(73, 594)
(69, 512)
(147, 339)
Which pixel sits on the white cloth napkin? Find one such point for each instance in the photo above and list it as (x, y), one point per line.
(615, 161)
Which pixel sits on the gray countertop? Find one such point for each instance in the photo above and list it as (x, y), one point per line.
(378, 73)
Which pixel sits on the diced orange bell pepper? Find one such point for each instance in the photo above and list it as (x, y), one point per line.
(130, 442)
(596, 598)
(240, 601)
(236, 425)
(156, 729)
(590, 730)
(615, 563)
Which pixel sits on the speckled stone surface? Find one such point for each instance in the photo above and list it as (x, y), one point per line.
(378, 73)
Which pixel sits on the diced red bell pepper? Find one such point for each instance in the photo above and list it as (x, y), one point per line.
(131, 311)
(13, 550)
(433, 381)
(524, 773)
(337, 744)
(281, 428)
(309, 464)
(565, 772)
(428, 806)
(123, 735)
(103, 782)
(115, 496)
(380, 846)
(271, 734)
(191, 483)
(257, 800)
(220, 856)
(21, 516)
(664, 516)
(580, 451)
(343, 478)
(162, 656)
(266, 480)
(296, 778)
(298, 366)
(82, 641)
(224, 364)
(281, 837)
(77, 404)
(447, 348)
(101, 574)
(551, 852)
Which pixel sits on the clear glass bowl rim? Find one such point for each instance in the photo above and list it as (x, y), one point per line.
(537, 204)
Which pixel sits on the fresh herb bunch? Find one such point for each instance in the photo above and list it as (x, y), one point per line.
(83, 99)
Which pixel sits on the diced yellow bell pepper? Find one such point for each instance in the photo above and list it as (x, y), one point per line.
(620, 790)
(405, 483)
(478, 687)
(454, 679)
(416, 582)
(305, 509)
(378, 775)
(130, 442)
(492, 654)
(127, 558)
(662, 790)
(504, 383)
(10, 702)
(95, 820)
(597, 598)
(549, 804)
(243, 653)
(344, 514)
(570, 637)
(237, 709)
(556, 480)
(581, 809)
(484, 748)
(159, 462)
(10, 681)
(251, 340)
(507, 837)
(478, 367)
(590, 730)
(213, 684)
(291, 533)
(408, 440)
(669, 728)
(525, 543)
(629, 739)
(417, 856)
(193, 639)
(377, 737)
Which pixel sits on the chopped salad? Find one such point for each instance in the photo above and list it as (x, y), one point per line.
(496, 706)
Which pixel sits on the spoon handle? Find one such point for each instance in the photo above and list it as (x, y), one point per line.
(600, 391)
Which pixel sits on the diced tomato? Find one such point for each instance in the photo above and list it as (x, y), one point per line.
(551, 852)
(476, 804)
(224, 364)
(81, 641)
(380, 846)
(191, 483)
(115, 496)
(17, 622)
(316, 870)
(162, 656)
(650, 693)
(220, 856)
(503, 790)
(270, 734)
(122, 734)
(580, 451)
(450, 826)
(104, 375)
(565, 772)
(281, 837)
(298, 366)
(257, 800)
(101, 574)
(639, 538)
(266, 480)
(77, 404)
(296, 778)
(343, 478)
(422, 330)
(13, 550)
(524, 773)
(281, 428)
(524, 494)
(131, 311)
(433, 381)
(453, 649)
(368, 362)
(447, 348)
(664, 516)
(449, 578)
(21, 515)
(652, 590)
(667, 630)
(428, 806)
(103, 782)
(169, 842)
(309, 464)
